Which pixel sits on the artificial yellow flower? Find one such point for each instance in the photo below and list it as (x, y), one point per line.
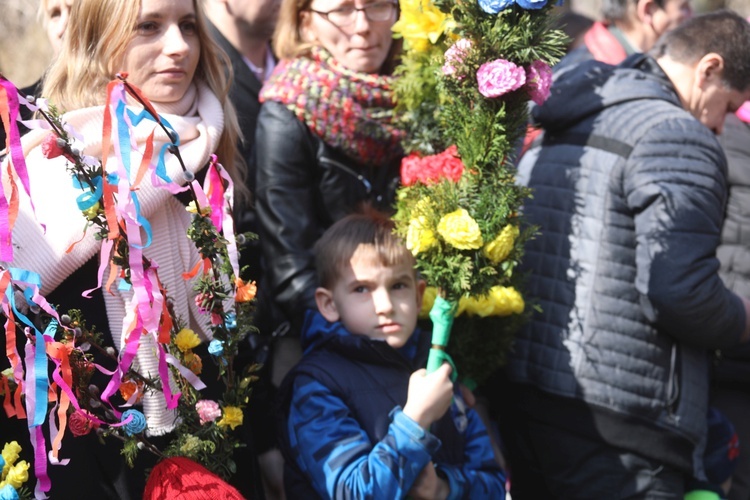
(499, 248)
(507, 301)
(427, 301)
(18, 474)
(423, 206)
(232, 417)
(205, 210)
(186, 339)
(459, 230)
(482, 306)
(421, 24)
(10, 453)
(419, 237)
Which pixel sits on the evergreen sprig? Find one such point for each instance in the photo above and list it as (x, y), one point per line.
(443, 106)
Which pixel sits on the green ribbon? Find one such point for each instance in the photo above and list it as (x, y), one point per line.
(441, 315)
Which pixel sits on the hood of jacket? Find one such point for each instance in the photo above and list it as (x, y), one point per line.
(570, 98)
(317, 331)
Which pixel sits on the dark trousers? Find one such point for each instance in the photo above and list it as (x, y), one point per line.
(735, 403)
(549, 461)
(552, 463)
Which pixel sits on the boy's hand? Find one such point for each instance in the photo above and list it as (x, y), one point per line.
(429, 486)
(429, 396)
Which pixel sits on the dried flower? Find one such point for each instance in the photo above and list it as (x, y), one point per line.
(499, 248)
(137, 423)
(539, 80)
(208, 411)
(232, 417)
(186, 339)
(498, 77)
(460, 230)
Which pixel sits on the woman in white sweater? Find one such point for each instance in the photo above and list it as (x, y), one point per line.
(166, 51)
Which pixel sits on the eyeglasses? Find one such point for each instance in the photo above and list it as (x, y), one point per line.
(347, 15)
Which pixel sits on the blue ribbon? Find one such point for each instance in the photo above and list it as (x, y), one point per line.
(89, 198)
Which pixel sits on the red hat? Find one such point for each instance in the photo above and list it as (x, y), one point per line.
(184, 479)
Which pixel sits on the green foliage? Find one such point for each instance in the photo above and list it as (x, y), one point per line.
(441, 110)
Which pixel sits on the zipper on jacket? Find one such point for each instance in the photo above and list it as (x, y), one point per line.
(673, 383)
(361, 178)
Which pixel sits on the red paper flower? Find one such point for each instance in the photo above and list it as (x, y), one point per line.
(432, 169)
(80, 424)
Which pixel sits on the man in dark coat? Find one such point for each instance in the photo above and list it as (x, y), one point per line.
(609, 382)
(731, 380)
(243, 29)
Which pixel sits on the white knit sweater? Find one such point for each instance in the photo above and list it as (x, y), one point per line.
(198, 119)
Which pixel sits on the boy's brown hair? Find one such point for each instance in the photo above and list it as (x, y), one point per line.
(339, 243)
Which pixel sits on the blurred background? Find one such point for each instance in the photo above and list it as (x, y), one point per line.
(24, 50)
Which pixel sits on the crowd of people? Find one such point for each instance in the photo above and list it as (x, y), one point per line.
(631, 381)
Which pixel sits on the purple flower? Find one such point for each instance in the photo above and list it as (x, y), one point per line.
(499, 77)
(494, 6)
(539, 78)
(455, 55)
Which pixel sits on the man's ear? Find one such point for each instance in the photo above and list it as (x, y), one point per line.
(421, 286)
(326, 305)
(710, 69)
(645, 10)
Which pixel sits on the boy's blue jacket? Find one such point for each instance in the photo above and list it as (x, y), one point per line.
(343, 434)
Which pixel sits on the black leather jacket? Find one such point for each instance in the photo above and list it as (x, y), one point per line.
(303, 187)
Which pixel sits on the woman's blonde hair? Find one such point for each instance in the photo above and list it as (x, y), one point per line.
(98, 34)
(288, 41)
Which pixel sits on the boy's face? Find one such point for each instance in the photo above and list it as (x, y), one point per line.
(380, 302)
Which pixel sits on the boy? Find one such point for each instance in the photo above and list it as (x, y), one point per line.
(344, 433)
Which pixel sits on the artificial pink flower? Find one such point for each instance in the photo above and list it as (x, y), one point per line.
(498, 77)
(455, 55)
(51, 147)
(433, 168)
(208, 410)
(539, 78)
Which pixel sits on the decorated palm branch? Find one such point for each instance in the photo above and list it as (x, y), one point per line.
(468, 73)
(50, 382)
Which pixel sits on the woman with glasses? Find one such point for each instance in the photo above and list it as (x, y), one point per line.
(326, 139)
(325, 143)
